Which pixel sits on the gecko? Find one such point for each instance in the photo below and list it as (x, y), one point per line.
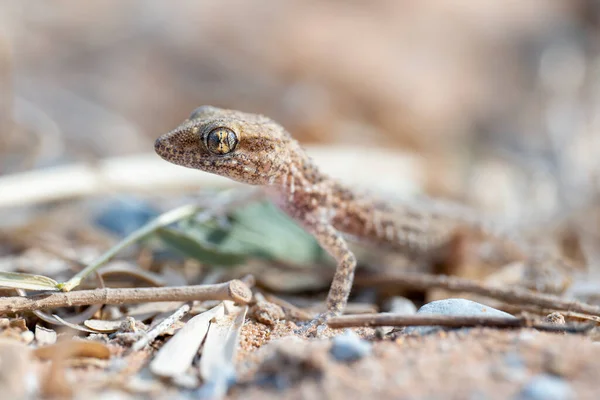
(256, 150)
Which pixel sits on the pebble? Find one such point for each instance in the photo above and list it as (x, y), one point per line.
(546, 387)
(349, 347)
(267, 313)
(462, 307)
(400, 305)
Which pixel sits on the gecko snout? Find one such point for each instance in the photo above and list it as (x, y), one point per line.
(164, 148)
(159, 147)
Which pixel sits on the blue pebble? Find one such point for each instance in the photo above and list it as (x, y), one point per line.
(349, 347)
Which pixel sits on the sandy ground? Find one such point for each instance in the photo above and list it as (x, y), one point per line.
(473, 363)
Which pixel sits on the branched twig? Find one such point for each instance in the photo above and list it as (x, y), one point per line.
(233, 290)
(160, 328)
(509, 295)
(455, 321)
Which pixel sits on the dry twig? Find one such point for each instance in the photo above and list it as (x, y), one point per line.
(233, 290)
(455, 321)
(509, 295)
(160, 328)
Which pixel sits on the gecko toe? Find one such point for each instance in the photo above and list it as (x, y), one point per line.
(315, 328)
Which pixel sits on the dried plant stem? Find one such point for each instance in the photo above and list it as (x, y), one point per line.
(160, 328)
(454, 321)
(509, 295)
(233, 290)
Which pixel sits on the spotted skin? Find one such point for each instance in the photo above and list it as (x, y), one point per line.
(254, 149)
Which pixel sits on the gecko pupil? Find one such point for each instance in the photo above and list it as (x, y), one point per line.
(221, 141)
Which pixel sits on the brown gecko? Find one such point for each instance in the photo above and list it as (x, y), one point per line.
(254, 149)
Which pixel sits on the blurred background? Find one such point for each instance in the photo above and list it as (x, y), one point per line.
(490, 103)
(499, 101)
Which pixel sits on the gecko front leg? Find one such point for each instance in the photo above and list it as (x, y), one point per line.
(333, 242)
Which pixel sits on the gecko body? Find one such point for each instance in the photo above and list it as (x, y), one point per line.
(256, 150)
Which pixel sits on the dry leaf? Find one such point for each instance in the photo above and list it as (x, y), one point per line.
(27, 281)
(176, 356)
(102, 326)
(220, 347)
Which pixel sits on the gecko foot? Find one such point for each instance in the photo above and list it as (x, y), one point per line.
(316, 327)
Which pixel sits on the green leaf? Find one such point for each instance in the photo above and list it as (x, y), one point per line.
(274, 235)
(191, 246)
(27, 281)
(259, 230)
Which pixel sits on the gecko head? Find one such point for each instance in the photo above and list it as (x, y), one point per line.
(244, 147)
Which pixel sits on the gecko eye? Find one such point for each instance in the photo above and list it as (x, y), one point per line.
(221, 141)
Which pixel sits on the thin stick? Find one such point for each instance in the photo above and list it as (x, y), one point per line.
(509, 295)
(455, 321)
(160, 328)
(233, 290)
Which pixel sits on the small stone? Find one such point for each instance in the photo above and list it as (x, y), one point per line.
(546, 387)
(458, 307)
(400, 305)
(267, 313)
(349, 347)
